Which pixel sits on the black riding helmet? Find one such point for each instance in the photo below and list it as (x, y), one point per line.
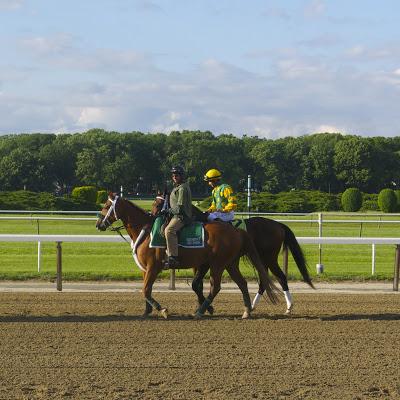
(177, 169)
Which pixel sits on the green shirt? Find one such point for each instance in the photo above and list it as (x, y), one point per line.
(181, 202)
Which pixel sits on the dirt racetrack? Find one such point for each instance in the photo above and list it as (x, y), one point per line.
(96, 346)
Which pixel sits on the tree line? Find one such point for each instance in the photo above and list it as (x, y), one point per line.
(141, 162)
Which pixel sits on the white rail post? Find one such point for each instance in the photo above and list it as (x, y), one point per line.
(320, 266)
(39, 248)
(39, 252)
(373, 259)
(59, 267)
(248, 194)
(172, 279)
(396, 269)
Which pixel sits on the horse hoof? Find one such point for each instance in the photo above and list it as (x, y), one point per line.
(197, 315)
(164, 313)
(289, 310)
(210, 310)
(246, 314)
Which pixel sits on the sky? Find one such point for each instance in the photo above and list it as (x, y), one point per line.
(271, 68)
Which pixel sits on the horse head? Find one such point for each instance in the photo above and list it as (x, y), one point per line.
(108, 214)
(159, 203)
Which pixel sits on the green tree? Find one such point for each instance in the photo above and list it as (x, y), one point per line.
(352, 162)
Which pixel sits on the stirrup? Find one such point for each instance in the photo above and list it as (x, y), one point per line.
(171, 262)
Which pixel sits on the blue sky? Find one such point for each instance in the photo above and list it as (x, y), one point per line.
(266, 68)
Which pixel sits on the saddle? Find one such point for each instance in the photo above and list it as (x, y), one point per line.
(190, 236)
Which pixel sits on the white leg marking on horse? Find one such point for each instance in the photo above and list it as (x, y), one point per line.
(289, 303)
(256, 301)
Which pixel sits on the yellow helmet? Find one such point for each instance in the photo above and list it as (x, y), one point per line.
(212, 175)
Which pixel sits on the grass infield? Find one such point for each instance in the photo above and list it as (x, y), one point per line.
(96, 261)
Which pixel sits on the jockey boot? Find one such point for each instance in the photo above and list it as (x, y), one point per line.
(171, 262)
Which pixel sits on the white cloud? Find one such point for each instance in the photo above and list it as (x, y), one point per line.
(315, 8)
(48, 46)
(9, 5)
(328, 129)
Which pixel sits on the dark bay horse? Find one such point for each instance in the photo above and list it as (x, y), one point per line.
(224, 245)
(269, 237)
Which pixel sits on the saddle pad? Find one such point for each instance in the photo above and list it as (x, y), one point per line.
(190, 236)
(240, 224)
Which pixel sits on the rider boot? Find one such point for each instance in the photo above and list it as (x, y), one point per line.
(171, 262)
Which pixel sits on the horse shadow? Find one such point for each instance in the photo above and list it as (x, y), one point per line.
(26, 318)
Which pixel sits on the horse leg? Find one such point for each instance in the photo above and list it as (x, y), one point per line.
(215, 287)
(197, 286)
(238, 278)
(147, 289)
(276, 270)
(148, 308)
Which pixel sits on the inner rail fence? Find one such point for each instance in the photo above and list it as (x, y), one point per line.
(59, 239)
(320, 219)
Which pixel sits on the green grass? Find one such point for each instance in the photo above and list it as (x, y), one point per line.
(113, 261)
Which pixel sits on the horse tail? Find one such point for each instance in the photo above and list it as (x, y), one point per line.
(291, 242)
(251, 253)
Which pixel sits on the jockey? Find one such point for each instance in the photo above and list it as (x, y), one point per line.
(223, 199)
(181, 210)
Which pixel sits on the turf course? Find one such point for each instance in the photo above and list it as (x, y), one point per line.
(114, 261)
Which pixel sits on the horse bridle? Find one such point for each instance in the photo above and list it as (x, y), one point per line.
(105, 221)
(165, 204)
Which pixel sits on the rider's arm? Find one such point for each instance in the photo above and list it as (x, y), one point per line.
(213, 206)
(230, 196)
(183, 197)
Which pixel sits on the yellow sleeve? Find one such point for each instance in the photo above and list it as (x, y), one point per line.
(230, 196)
(212, 207)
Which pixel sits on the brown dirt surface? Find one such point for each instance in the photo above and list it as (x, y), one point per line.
(96, 346)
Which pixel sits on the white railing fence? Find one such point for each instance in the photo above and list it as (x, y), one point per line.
(59, 239)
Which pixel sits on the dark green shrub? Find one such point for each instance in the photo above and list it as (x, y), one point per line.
(27, 200)
(321, 201)
(71, 204)
(369, 205)
(370, 202)
(397, 193)
(102, 196)
(260, 202)
(294, 201)
(351, 200)
(86, 194)
(387, 201)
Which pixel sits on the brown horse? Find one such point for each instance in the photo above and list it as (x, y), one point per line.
(269, 237)
(224, 245)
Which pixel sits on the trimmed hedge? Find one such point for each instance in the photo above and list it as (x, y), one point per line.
(102, 196)
(293, 201)
(87, 194)
(31, 201)
(351, 200)
(387, 201)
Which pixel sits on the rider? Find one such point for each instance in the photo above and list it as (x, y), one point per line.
(181, 210)
(223, 199)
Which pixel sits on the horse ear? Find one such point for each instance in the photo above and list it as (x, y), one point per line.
(111, 195)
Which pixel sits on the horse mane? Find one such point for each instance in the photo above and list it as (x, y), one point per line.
(137, 209)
